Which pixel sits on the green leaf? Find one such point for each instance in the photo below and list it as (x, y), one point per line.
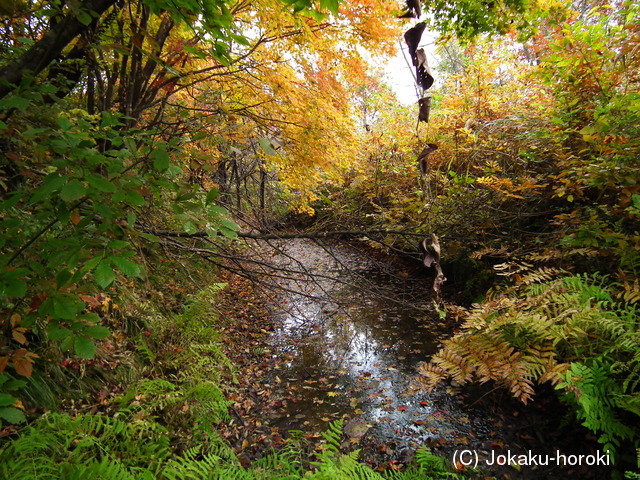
(161, 159)
(84, 347)
(217, 211)
(19, 103)
(56, 334)
(231, 225)
(67, 343)
(148, 236)
(7, 400)
(73, 191)
(97, 331)
(62, 277)
(64, 123)
(91, 263)
(100, 183)
(265, 143)
(331, 5)
(84, 17)
(127, 267)
(229, 233)
(134, 198)
(115, 244)
(15, 288)
(51, 183)
(211, 196)
(11, 384)
(104, 274)
(66, 307)
(12, 415)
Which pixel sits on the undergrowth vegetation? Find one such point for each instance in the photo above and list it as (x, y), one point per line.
(163, 426)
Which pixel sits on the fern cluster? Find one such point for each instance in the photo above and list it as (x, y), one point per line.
(571, 332)
(96, 446)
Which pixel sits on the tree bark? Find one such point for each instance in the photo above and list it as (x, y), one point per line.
(49, 47)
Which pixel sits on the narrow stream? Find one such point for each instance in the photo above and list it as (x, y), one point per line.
(350, 337)
(345, 336)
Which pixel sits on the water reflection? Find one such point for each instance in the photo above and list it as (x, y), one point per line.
(350, 345)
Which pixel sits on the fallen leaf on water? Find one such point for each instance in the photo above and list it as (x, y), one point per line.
(461, 441)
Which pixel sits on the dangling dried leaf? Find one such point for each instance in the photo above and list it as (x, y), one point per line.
(423, 72)
(439, 280)
(430, 248)
(422, 158)
(413, 10)
(412, 37)
(425, 107)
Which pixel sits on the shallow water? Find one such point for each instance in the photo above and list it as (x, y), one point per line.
(350, 339)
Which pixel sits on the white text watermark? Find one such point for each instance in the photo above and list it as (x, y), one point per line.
(471, 458)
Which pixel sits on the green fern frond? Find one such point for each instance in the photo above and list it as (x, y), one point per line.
(543, 332)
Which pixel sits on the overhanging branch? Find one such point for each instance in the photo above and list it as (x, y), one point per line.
(276, 236)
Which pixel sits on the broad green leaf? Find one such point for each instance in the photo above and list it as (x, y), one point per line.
(231, 225)
(127, 267)
(15, 288)
(232, 234)
(11, 384)
(73, 190)
(217, 211)
(67, 343)
(84, 17)
(134, 198)
(100, 183)
(91, 263)
(12, 415)
(66, 307)
(104, 274)
(161, 159)
(56, 334)
(331, 5)
(64, 123)
(211, 196)
(97, 331)
(51, 183)
(84, 347)
(19, 103)
(7, 400)
(62, 277)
